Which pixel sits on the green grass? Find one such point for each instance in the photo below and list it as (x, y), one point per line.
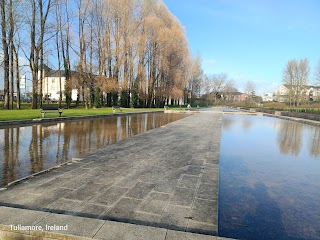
(23, 114)
(184, 107)
(28, 105)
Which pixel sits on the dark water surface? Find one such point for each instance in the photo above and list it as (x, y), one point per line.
(269, 179)
(25, 150)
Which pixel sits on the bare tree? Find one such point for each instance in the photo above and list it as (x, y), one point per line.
(217, 85)
(5, 47)
(65, 46)
(58, 43)
(37, 28)
(317, 74)
(250, 88)
(17, 70)
(83, 69)
(10, 22)
(195, 82)
(296, 77)
(11, 51)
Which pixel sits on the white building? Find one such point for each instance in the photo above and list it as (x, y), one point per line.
(312, 93)
(51, 84)
(267, 97)
(281, 93)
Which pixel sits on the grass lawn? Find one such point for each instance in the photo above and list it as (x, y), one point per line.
(7, 115)
(183, 108)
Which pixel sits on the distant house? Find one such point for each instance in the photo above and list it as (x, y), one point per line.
(243, 97)
(267, 97)
(51, 84)
(311, 93)
(235, 96)
(281, 93)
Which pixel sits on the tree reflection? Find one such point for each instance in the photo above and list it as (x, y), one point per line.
(58, 143)
(46, 145)
(227, 123)
(247, 123)
(35, 149)
(315, 145)
(289, 137)
(66, 141)
(6, 150)
(10, 153)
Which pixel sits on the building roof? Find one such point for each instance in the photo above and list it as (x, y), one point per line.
(57, 73)
(307, 86)
(235, 93)
(316, 87)
(48, 72)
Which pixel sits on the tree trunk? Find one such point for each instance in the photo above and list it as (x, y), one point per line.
(17, 77)
(43, 20)
(11, 75)
(11, 46)
(41, 78)
(59, 31)
(33, 59)
(5, 49)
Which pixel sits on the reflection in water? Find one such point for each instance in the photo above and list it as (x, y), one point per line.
(11, 151)
(267, 189)
(315, 143)
(227, 123)
(247, 123)
(289, 137)
(30, 149)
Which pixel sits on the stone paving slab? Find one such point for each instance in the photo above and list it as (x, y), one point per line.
(81, 228)
(174, 235)
(117, 231)
(85, 227)
(15, 216)
(166, 177)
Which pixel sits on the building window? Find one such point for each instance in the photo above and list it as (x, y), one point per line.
(53, 81)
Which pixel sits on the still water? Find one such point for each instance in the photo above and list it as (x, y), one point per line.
(269, 185)
(25, 150)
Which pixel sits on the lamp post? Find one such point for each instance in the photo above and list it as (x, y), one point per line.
(25, 79)
(25, 90)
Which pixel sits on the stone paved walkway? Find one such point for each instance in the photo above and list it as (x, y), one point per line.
(80, 228)
(166, 177)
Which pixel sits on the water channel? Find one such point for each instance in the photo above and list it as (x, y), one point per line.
(269, 186)
(25, 150)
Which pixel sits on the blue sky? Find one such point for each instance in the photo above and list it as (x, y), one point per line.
(251, 39)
